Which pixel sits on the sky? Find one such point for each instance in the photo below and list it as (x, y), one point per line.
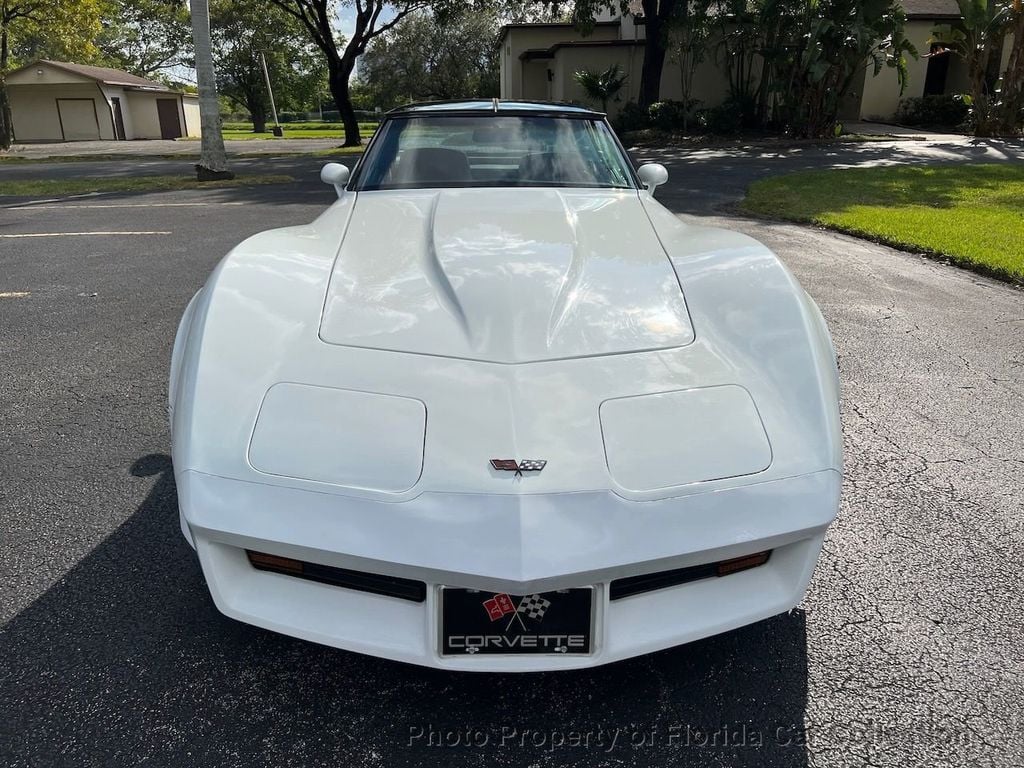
(347, 17)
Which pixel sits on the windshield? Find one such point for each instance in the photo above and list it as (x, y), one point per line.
(493, 151)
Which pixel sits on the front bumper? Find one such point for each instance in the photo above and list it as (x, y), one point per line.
(506, 543)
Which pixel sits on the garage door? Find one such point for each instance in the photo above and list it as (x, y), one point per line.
(78, 119)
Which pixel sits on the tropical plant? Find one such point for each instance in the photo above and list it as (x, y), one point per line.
(690, 38)
(835, 38)
(213, 161)
(1013, 75)
(602, 86)
(659, 18)
(738, 28)
(978, 38)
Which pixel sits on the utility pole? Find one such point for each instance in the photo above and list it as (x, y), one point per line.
(270, 92)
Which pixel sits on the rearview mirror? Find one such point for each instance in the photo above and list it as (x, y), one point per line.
(653, 175)
(336, 175)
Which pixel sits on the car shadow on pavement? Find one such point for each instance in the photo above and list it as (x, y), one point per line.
(125, 661)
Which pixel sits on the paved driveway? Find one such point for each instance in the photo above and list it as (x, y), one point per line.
(905, 652)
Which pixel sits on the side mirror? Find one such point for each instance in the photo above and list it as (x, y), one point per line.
(653, 175)
(336, 175)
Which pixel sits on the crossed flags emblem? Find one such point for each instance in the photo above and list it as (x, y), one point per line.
(532, 606)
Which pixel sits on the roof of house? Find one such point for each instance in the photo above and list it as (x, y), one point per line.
(931, 9)
(103, 75)
(549, 25)
(549, 53)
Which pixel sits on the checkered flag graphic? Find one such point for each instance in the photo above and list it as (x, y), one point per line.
(531, 465)
(533, 606)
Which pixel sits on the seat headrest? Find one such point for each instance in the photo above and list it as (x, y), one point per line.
(553, 167)
(433, 164)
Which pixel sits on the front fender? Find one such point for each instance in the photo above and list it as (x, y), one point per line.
(742, 296)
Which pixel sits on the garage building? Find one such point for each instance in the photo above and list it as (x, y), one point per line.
(60, 101)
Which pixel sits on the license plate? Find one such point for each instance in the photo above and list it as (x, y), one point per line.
(475, 622)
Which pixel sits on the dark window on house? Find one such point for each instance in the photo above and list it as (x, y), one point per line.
(938, 71)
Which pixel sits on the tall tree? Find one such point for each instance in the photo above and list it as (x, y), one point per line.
(370, 22)
(146, 37)
(242, 29)
(429, 57)
(690, 39)
(37, 28)
(213, 161)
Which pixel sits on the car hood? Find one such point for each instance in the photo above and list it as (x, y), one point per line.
(503, 275)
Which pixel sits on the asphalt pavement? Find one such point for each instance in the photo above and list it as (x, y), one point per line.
(905, 652)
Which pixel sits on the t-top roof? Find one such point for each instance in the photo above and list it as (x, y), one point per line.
(495, 107)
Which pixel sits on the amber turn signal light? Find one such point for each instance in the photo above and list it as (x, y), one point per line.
(725, 567)
(274, 563)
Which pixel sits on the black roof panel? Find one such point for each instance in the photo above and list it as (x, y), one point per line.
(495, 107)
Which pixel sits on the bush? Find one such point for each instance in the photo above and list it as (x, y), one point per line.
(731, 116)
(946, 111)
(632, 117)
(724, 120)
(668, 115)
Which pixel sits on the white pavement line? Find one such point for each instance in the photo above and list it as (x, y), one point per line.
(13, 294)
(31, 207)
(80, 234)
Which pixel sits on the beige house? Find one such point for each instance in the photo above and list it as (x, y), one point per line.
(538, 61)
(58, 101)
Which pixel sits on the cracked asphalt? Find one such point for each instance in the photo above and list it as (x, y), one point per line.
(905, 652)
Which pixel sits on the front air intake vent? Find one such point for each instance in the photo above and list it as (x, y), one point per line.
(648, 582)
(375, 583)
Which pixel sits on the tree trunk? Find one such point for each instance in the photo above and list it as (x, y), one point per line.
(213, 161)
(654, 51)
(339, 72)
(6, 120)
(258, 111)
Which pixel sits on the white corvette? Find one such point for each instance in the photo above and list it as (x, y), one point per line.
(498, 409)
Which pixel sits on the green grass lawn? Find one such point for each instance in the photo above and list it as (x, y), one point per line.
(364, 128)
(973, 214)
(332, 133)
(65, 187)
(243, 131)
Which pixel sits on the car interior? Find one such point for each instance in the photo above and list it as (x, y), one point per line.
(491, 155)
(450, 166)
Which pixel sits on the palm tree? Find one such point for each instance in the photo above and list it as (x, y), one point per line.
(602, 86)
(213, 161)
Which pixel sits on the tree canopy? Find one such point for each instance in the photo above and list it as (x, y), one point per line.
(241, 30)
(427, 57)
(146, 37)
